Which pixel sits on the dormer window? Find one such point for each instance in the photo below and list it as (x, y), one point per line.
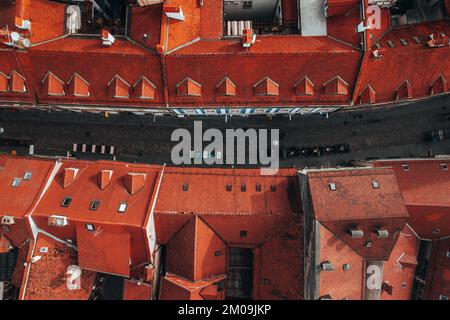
(123, 207)
(66, 202)
(16, 182)
(94, 205)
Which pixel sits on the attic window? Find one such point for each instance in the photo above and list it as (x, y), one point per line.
(243, 234)
(185, 187)
(332, 186)
(66, 202)
(273, 188)
(27, 175)
(355, 233)
(228, 187)
(258, 188)
(327, 266)
(123, 207)
(375, 184)
(90, 227)
(405, 167)
(16, 182)
(416, 39)
(444, 166)
(94, 205)
(382, 233)
(243, 188)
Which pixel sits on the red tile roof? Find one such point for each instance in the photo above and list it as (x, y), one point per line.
(356, 203)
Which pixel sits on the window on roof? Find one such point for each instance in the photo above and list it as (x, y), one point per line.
(346, 266)
(27, 175)
(66, 202)
(123, 207)
(405, 167)
(94, 205)
(442, 297)
(258, 188)
(444, 166)
(218, 253)
(332, 186)
(436, 231)
(243, 234)
(228, 187)
(375, 184)
(185, 187)
(16, 182)
(90, 227)
(273, 188)
(243, 188)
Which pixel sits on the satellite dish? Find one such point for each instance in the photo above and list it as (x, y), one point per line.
(26, 43)
(15, 36)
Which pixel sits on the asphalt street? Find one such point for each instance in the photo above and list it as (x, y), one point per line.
(382, 132)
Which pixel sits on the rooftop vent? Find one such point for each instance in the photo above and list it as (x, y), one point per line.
(356, 233)
(57, 221)
(135, 182)
(382, 233)
(327, 266)
(107, 38)
(248, 38)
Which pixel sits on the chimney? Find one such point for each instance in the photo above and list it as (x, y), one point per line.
(69, 176)
(134, 182)
(104, 178)
(248, 38)
(107, 38)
